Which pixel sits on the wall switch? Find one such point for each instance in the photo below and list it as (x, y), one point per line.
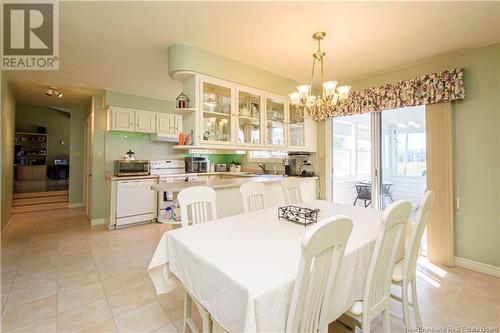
(458, 203)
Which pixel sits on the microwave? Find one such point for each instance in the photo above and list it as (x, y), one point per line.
(131, 168)
(196, 164)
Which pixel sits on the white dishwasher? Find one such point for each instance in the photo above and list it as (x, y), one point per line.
(135, 201)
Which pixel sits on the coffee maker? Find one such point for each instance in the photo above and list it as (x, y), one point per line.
(297, 164)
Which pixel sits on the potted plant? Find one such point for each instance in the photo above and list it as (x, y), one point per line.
(235, 167)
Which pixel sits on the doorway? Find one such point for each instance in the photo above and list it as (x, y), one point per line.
(379, 157)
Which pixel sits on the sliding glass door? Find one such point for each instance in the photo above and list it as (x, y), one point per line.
(351, 157)
(379, 157)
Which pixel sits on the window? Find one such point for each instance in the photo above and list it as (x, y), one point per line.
(352, 149)
(410, 154)
(267, 154)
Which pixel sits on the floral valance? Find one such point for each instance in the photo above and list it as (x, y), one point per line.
(428, 89)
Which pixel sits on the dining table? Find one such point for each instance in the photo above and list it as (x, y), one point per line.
(243, 268)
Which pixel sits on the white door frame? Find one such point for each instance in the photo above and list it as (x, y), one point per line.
(89, 137)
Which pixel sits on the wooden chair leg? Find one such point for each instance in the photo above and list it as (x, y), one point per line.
(415, 302)
(188, 301)
(387, 320)
(404, 303)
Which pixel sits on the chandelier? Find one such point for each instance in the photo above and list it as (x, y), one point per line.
(310, 105)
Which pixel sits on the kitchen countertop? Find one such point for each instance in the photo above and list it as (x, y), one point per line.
(220, 183)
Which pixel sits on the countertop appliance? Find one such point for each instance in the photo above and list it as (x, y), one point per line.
(169, 171)
(196, 164)
(297, 164)
(135, 201)
(131, 168)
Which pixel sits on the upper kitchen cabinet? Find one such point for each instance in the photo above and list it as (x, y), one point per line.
(301, 132)
(145, 122)
(216, 112)
(249, 118)
(129, 120)
(120, 119)
(275, 121)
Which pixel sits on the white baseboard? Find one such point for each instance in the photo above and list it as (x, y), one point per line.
(97, 221)
(478, 266)
(76, 205)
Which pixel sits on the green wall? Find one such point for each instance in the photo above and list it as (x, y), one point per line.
(476, 157)
(7, 129)
(76, 162)
(193, 59)
(138, 102)
(29, 117)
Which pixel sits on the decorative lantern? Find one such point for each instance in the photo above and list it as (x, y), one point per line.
(182, 101)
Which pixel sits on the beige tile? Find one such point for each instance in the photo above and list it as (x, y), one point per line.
(34, 291)
(130, 300)
(145, 319)
(107, 326)
(22, 315)
(80, 296)
(85, 265)
(47, 325)
(121, 283)
(78, 280)
(173, 303)
(115, 269)
(169, 328)
(475, 308)
(83, 317)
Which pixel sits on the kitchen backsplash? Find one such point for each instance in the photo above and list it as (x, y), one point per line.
(118, 143)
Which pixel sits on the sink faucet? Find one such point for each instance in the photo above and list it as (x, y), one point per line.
(263, 167)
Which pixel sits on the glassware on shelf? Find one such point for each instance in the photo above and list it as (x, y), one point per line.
(248, 118)
(275, 125)
(296, 127)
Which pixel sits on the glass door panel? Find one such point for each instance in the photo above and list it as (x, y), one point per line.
(351, 160)
(249, 123)
(403, 155)
(296, 128)
(275, 122)
(216, 119)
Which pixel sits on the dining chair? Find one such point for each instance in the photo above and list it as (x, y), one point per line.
(405, 271)
(197, 205)
(376, 295)
(253, 196)
(292, 190)
(323, 249)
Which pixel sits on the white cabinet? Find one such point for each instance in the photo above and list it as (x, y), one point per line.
(232, 116)
(122, 119)
(130, 120)
(168, 127)
(145, 122)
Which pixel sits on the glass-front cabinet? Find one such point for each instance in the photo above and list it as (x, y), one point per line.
(275, 121)
(248, 118)
(217, 112)
(296, 128)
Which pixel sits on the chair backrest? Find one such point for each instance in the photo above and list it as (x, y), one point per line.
(292, 190)
(323, 248)
(253, 196)
(413, 247)
(379, 277)
(197, 205)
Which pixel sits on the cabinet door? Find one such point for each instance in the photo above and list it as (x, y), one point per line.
(177, 124)
(217, 113)
(275, 121)
(248, 118)
(145, 121)
(164, 123)
(296, 129)
(122, 120)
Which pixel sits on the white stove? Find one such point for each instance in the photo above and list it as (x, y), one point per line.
(169, 171)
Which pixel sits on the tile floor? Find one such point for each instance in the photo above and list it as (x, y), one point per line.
(60, 275)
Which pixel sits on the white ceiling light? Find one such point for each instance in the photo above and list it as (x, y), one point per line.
(53, 91)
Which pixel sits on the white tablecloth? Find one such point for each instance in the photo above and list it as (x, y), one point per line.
(242, 268)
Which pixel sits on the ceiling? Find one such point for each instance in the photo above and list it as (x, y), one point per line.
(122, 46)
